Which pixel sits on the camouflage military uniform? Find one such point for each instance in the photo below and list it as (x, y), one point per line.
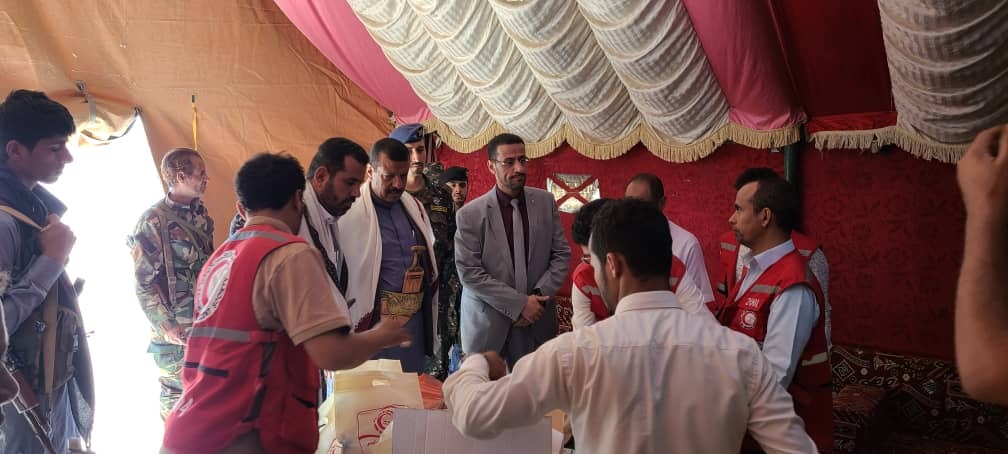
(190, 230)
(440, 209)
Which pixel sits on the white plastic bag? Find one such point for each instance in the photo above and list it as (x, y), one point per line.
(362, 405)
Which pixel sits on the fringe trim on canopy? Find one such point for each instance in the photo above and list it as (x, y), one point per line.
(904, 138)
(668, 150)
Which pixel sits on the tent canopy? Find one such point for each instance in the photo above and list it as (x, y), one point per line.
(679, 76)
(258, 83)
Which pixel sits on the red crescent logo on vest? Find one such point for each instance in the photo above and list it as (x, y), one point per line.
(748, 319)
(212, 286)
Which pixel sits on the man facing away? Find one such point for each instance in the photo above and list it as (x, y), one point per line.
(388, 241)
(334, 178)
(512, 257)
(685, 247)
(39, 301)
(170, 243)
(259, 334)
(586, 298)
(775, 300)
(673, 382)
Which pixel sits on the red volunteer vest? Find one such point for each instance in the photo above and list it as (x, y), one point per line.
(239, 377)
(728, 256)
(584, 280)
(749, 313)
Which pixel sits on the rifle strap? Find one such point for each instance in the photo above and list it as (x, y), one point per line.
(49, 315)
(169, 258)
(165, 214)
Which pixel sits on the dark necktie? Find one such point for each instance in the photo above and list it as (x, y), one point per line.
(521, 275)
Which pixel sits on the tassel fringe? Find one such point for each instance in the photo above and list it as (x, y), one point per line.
(904, 138)
(669, 150)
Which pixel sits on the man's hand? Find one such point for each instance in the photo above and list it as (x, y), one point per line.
(983, 177)
(56, 240)
(533, 309)
(498, 368)
(391, 333)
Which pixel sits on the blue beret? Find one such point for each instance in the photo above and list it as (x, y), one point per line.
(412, 132)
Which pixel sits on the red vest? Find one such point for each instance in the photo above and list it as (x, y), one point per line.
(749, 313)
(728, 257)
(239, 377)
(584, 280)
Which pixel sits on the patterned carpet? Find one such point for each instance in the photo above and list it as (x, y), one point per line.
(911, 395)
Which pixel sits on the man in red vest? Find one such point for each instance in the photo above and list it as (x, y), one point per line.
(777, 301)
(809, 249)
(263, 325)
(586, 299)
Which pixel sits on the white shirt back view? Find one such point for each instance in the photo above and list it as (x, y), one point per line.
(650, 379)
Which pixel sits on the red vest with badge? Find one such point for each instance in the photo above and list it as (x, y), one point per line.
(584, 280)
(728, 257)
(749, 313)
(239, 377)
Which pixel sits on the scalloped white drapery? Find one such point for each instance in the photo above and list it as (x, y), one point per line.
(600, 75)
(948, 63)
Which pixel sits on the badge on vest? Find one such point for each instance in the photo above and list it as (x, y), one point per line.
(210, 288)
(751, 303)
(748, 319)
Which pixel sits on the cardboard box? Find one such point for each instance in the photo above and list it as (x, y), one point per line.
(431, 432)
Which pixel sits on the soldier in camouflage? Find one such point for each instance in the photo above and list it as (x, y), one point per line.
(170, 243)
(423, 184)
(455, 180)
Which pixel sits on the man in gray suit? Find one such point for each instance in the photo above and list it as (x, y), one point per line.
(512, 256)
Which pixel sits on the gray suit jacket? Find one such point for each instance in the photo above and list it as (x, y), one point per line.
(490, 303)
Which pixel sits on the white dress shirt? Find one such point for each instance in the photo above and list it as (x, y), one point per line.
(687, 249)
(650, 379)
(793, 313)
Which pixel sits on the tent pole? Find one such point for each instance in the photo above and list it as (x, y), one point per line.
(792, 170)
(791, 162)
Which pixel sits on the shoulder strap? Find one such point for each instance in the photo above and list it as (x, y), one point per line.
(49, 318)
(49, 314)
(167, 212)
(164, 214)
(169, 255)
(20, 216)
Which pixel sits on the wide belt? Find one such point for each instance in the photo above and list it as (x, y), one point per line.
(400, 304)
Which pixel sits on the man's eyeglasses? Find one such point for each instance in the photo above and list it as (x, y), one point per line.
(510, 162)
